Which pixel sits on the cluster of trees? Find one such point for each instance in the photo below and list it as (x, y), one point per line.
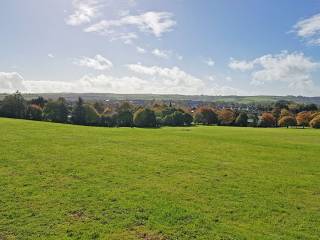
(277, 117)
(127, 115)
(96, 114)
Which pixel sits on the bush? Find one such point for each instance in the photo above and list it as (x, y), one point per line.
(267, 120)
(315, 123)
(206, 116)
(34, 112)
(145, 117)
(287, 121)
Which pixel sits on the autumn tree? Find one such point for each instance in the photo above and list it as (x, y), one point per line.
(206, 116)
(315, 122)
(287, 121)
(226, 117)
(303, 118)
(267, 120)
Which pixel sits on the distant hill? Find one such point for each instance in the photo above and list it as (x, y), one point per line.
(174, 97)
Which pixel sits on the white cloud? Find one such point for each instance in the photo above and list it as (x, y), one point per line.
(292, 68)
(10, 82)
(84, 12)
(241, 65)
(161, 53)
(141, 50)
(210, 62)
(156, 23)
(50, 55)
(309, 29)
(97, 63)
(142, 79)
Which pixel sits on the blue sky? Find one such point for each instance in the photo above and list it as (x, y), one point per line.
(214, 47)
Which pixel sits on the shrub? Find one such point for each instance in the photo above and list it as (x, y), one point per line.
(34, 112)
(206, 116)
(267, 120)
(287, 121)
(315, 123)
(145, 117)
(242, 120)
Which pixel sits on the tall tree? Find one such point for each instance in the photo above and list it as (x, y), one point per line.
(79, 113)
(14, 106)
(56, 111)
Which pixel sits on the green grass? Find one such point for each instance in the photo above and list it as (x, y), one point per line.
(73, 182)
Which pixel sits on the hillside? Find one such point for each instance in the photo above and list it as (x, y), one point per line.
(73, 182)
(203, 98)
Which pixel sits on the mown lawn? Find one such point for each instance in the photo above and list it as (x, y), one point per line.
(73, 182)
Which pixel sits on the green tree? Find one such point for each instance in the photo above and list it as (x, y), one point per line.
(79, 113)
(124, 119)
(188, 119)
(56, 111)
(92, 117)
(40, 101)
(14, 106)
(145, 117)
(242, 120)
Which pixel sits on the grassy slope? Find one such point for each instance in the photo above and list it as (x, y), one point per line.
(73, 182)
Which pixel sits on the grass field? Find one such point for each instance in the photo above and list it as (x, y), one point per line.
(73, 182)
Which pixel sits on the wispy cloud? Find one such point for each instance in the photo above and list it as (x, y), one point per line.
(97, 63)
(161, 53)
(156, 23)
(241, 65)
(309, 29)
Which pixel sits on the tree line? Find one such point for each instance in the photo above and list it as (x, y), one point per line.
(282, 114)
